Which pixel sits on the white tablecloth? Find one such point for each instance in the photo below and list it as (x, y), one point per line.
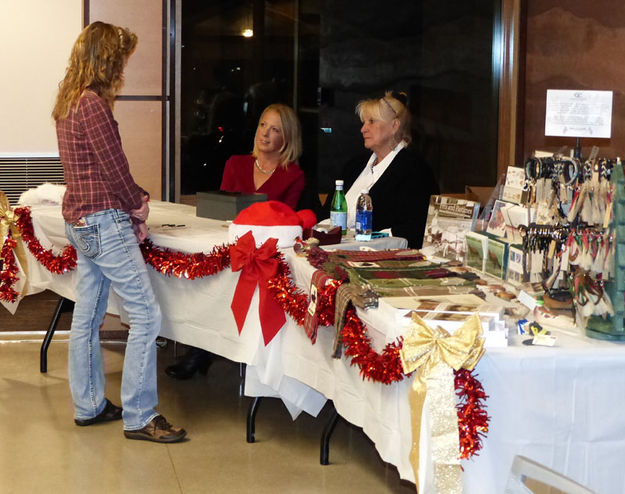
(560, 406)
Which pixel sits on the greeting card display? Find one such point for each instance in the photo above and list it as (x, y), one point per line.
(513, 187)
(476, 249)
(449, 220)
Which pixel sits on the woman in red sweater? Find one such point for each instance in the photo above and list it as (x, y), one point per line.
(272, 167)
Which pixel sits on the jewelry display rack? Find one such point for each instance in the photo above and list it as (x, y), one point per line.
(612, 327)
(588, 231)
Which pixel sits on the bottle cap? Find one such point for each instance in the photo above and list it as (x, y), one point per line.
(339, 182)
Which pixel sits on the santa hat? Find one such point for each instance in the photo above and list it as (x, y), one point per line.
(272, 219)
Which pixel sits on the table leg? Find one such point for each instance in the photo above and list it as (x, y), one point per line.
(242, 369)
(325, 437)
(251, 419)
(64, 305)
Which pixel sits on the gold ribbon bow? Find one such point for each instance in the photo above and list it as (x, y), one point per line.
(434, 354)
(8, 227)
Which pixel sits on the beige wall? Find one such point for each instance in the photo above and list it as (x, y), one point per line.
(140, 129)
(35, 42)
(144, 18)
(140, 122)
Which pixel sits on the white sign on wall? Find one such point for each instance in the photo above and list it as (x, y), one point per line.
(572, 113)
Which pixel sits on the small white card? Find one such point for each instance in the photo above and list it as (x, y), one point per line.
(544, 340)
(572, 113)
(497, 223)
(527, 300)
(513, 188)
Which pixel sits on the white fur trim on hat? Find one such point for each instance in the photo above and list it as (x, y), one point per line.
(285, 234)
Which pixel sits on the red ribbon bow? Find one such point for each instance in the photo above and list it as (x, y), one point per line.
(257, 266)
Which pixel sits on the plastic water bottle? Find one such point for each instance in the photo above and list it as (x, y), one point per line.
(364, 216)
(338, 208)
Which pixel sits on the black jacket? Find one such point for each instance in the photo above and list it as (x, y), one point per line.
(401, 196)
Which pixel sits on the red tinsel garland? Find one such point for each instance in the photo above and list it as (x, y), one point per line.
(57, 264)
(183, 265)
(325, 299)
(294, 302)
(385, 367)
(472, 418)
(8, 271)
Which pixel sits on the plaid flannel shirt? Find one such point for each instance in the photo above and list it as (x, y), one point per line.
(95, 166)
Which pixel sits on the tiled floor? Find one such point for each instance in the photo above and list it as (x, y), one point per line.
(43, 451)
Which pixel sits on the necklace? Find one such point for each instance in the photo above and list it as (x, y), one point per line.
(262, 170)
(375, 162)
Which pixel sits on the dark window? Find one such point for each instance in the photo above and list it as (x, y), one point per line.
(322, 57)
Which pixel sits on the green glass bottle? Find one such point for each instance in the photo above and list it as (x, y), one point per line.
(338, 208)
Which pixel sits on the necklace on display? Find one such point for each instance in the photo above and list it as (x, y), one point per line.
(262, 170)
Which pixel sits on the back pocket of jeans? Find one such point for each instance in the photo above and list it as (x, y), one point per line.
(87, 240)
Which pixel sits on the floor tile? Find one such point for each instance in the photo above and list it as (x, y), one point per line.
(45, 452)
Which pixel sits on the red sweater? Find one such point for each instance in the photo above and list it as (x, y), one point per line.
(285, 185)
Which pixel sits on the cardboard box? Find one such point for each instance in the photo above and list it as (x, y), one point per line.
(475, 193)
(224, 205)
(479, 193)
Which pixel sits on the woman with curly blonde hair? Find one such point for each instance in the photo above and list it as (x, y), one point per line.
(101, 70)
(105, 212)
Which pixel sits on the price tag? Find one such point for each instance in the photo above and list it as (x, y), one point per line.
(544, 340)
(527, 300)
(536, 262)
(564, 261)
(312, 306)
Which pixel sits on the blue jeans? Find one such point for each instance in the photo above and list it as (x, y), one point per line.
(109, 255)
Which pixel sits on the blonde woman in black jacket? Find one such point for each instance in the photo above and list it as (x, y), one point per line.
(399, 181)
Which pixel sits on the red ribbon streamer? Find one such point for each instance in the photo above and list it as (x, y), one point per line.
(257, 266)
